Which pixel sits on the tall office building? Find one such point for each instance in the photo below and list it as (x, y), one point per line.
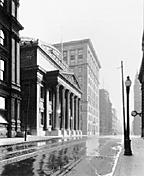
(82, 60)
(10, 90)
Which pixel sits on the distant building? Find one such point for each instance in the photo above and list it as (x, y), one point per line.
(105, 106)
(10, 89)
(137, 106)
(82, 60)
(114, 121)
(51, 95)
(116, 124)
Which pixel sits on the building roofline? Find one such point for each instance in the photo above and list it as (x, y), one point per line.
(87, 40)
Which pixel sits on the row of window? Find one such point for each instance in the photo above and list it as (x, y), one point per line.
(15, 58)
(73, 56)
(92, 102)
(93, 119)
(92, 93)
(93, 64)
(93, 77)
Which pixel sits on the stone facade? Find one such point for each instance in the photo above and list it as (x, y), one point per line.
(82, 60)
(141, 79)
(10, 90)
(51, 95)
(136, 127)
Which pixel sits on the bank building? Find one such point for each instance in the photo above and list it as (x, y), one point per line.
(51, 95)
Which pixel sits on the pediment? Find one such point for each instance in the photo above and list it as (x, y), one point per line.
(71, 78)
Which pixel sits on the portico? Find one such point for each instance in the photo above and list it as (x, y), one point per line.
(64, 119)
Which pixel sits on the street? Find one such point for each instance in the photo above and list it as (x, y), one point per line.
(87, 156)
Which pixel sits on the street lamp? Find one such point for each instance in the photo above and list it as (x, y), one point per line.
(127, 139)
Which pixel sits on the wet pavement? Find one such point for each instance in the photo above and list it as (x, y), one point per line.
(74, 157)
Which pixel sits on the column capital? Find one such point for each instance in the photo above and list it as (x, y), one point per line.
(68, 92)
(76, 98)
(57, 86)
(63, 89)
(72, 95)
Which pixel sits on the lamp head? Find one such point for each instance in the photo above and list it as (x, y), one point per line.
(128, 82)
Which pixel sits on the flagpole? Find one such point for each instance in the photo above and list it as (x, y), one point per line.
(62, 43)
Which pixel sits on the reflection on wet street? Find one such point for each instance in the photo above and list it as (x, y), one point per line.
(93, 156)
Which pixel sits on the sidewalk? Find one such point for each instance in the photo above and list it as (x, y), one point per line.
(9, 141)
(132, 165)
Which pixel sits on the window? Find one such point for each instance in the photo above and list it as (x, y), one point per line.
(80, 80)
(80, 55)
(42, 118)
(65, 56)
(2, 37)
(2, 103)
(50, 95)
(13, 71)
(72, 70)
(14, 9)
(41, 92)
(80, 70)
(2, 70)
(72, 56)
(50, 119)
(2, 2)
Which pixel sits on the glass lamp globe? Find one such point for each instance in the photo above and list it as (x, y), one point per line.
(128, 82)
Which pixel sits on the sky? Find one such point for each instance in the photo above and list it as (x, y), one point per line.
(114, 27)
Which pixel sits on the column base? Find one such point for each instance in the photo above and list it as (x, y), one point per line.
(73, 132)
(80, 132)
(56, 132)
(68, 132)
(77, 132)
(64, 132)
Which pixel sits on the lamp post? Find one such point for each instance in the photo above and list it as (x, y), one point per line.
(127, 139)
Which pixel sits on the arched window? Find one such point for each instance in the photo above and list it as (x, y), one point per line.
(2, 2)
(2, 37)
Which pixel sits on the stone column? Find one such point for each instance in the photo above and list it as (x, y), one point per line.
(79, 116)
(12, 127)
(53, 109)
(72, 116)
(56, 108)
(76, 115)
(46, 124)
(68, 112)
(56, 131)
(63, 109)
(18, 116)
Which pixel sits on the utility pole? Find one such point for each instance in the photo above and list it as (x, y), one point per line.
(123, 102)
